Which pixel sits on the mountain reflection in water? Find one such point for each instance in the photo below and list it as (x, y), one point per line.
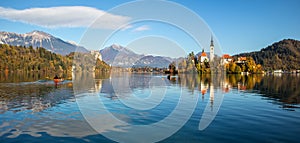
(39, 108)
(282, 90)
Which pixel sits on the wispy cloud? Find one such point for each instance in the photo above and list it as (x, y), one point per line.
(141, 28)
(126, 27)
(65, 16)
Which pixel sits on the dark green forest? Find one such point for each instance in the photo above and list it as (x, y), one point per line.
(283, 55)
(29, 59)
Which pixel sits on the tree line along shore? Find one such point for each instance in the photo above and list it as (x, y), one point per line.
(28, 59)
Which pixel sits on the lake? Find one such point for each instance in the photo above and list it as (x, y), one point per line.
(131, 107)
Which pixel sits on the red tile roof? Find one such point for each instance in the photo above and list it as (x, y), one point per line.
(242, 58)
(226, 56)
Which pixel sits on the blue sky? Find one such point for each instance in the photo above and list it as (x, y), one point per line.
(238, 25)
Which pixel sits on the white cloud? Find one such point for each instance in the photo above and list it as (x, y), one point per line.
(141, 28)
(65, 16)
(126, 27)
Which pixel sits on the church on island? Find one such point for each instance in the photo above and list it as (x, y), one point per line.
(203, 56)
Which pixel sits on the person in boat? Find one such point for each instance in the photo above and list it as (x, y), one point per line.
(56, 80)
(56, 77)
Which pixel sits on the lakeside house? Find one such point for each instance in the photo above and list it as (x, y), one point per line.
(226, 59)
(277, 71)
(241, 60)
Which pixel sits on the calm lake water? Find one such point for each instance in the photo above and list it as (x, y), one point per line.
(152, 107)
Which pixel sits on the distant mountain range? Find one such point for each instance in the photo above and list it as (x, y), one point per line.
(153, 61)
(284, 55)
(40, 39)
(114, 55)
(120, 56)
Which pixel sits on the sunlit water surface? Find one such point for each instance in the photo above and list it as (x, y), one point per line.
(247, 108)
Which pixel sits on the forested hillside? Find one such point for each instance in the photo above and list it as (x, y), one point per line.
(283, 55)
(28, 59)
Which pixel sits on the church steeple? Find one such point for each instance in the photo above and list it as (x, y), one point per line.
(212, 53)
(211, 41)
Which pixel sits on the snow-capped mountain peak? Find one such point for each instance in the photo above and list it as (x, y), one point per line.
(117, 47)
(38, 35)
(40, 39)
(117, 55)
(73, 43)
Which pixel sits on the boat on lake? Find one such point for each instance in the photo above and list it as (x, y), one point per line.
(57, 79)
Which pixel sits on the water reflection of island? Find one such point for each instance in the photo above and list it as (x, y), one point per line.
(279, 88)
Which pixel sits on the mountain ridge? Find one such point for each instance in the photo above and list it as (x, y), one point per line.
(120, 56)
(37, 38)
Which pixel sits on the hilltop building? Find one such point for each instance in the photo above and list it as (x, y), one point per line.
(97, 55)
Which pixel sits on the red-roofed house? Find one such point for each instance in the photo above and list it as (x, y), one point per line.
(226, 59)
(242, 59)
(203, 57)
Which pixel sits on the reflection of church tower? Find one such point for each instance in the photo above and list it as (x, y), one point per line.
(212, 54)
(211, 96)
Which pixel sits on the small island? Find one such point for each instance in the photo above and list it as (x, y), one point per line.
(279, 57)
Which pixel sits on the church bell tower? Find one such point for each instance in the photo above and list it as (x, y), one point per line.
(212, 53)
